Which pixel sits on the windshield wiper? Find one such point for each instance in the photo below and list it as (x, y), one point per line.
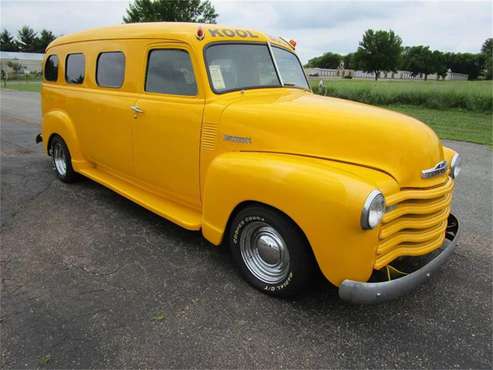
(288, 84)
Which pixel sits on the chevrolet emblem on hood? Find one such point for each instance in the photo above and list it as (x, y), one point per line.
(440, 167)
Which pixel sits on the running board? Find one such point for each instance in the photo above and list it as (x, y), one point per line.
(180, 215)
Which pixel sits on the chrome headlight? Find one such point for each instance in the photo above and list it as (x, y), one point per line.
(373, 210)
(455, 166)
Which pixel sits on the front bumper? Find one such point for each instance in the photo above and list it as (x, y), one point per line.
(363, 292)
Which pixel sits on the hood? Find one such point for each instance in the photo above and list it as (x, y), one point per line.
(297, 122)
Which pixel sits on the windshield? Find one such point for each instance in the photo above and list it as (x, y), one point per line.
(289, 67)
(240, 66)
(243, 66)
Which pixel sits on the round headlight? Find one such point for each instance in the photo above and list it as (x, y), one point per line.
(455, 166)
(373, 210)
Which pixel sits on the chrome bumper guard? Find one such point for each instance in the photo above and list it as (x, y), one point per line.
(367, 293)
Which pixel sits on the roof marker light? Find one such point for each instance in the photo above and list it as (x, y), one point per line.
(200, 33)
(292, 43)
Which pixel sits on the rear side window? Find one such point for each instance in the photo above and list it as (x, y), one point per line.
(110, 70)
(51, 68)
(75, 68)
(169, 71)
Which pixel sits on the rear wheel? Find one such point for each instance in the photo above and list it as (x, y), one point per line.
(270, 251)
(61, 160)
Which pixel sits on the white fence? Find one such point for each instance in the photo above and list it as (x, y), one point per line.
(30, 62)
(324, 73)
(456, 76)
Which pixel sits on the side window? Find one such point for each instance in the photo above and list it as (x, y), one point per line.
(75, 68)
(51, 68)
(169, 71)
(110, 70)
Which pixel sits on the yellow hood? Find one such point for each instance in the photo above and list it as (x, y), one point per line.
(293, 121)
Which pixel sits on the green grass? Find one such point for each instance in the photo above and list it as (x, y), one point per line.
(23, 85)
(474, 96)
(453, 124)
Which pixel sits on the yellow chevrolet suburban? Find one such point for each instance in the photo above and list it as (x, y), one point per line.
(216, 129)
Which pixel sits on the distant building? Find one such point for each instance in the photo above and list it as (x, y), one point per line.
(324, 73)
(32, 62)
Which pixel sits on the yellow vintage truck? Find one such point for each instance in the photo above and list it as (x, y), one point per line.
(216, 129)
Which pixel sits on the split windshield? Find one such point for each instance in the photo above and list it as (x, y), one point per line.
(245, 66)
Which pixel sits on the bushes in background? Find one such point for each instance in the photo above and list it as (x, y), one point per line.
(465, 95)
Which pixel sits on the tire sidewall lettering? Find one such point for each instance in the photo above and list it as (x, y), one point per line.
(285, 284)
(237, 232)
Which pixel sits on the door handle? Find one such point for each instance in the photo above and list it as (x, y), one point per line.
(136, 109)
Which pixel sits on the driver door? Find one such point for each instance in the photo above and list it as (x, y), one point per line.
(168, 119)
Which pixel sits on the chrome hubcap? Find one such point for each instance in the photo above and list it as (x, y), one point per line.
(264, 252)
(60, 159)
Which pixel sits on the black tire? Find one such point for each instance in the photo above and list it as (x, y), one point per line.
(268, 225)
(59, 152)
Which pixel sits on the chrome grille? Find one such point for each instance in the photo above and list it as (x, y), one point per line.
(415, 223)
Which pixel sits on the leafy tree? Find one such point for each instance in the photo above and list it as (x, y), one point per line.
(7, 42)
(350, 61)
(17, 67)
(27, 39)
(314, 62)
(418, 60)
(439, 64)
(467, 63)
(487, 52)
(200, 11)
(327, 60)
(379, 51)
(44, 40)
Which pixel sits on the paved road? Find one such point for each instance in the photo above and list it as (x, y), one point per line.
(87, 277)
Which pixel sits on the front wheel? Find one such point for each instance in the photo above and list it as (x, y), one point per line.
(61, 160)
(271, 251)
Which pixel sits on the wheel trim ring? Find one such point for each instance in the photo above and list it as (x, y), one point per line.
(60, 160)
(269, 273)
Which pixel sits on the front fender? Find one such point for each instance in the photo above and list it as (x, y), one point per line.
(58, 122)
(448, 154)
(323, 198)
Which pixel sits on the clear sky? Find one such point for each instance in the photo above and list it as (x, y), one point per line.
(317, 26)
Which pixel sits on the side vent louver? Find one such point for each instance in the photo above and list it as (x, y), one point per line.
(209, 133)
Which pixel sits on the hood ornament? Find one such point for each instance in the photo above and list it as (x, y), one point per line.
(440, 167)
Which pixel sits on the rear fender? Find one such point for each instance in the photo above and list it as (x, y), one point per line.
(59, 123)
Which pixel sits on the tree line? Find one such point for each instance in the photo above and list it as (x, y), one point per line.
(26, 40)
(382, 51)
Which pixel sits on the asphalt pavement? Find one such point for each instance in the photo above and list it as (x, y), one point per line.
(92, 280)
